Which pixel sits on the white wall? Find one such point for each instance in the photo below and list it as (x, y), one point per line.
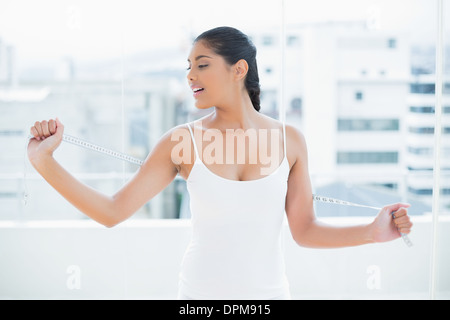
(141, 259)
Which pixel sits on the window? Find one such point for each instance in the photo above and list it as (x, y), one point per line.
(427, 192)
(428, 88)
(419, 169)
(427, 130)
(367, 157)
(427, 109)
(296, 105)
(293, 41)
(392, 43)
(360, 83)
(368, 125)
(421, 151)
(358, 95)
(422, 109)
(11, 133)
(422, 88)
(421, 130)
(114, 89)
(267, 40)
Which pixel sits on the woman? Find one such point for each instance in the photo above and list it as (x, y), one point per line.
(237, 209)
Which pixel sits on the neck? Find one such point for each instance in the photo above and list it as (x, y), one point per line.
(237, 114)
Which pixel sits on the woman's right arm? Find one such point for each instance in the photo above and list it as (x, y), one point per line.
(152, 177)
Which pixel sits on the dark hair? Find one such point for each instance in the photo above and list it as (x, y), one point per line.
(233, 45)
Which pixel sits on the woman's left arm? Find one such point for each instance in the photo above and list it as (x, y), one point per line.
(307, 231)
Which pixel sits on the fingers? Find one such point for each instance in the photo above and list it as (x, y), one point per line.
(402, 212)
(402, 221)
(59, 127)
(396, 206)
(43, 129)
(52, 126)
(35, 133)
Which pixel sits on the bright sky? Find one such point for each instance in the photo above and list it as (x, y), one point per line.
(48, 29)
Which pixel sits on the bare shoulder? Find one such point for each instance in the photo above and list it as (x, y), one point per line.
(295, 145)
(172, 136)
(168, 141)
(295, 141)
(179, 130)
(295, 136)
(180, 133)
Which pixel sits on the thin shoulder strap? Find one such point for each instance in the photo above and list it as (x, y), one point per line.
(193, 141)
(284, 140)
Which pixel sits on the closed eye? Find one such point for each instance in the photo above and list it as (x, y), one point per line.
(201, 66)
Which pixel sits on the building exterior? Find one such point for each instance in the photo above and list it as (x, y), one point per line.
(420, 139)
(367, 115)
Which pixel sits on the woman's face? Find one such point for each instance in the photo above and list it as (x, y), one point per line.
(209, 77)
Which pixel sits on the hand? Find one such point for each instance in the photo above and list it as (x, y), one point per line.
(388, 227)
(47, 136)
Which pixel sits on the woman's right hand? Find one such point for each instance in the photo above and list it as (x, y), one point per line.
(47, 136)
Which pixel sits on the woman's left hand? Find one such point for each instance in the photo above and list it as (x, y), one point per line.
(390, 222)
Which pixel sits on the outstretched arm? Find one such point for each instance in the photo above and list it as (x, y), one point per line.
(308, 231)
(152, 177)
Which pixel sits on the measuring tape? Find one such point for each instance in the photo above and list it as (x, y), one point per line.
(125, 157)
(346, 203)
(109, 152)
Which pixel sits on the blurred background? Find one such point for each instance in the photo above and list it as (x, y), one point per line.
(357, 77)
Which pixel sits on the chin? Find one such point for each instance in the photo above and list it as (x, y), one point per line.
(203, 106)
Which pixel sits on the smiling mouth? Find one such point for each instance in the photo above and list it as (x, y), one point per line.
(197, 91)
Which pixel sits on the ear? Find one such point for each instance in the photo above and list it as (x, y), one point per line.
(240, 69)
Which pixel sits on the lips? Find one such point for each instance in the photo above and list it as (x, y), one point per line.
(197, 90)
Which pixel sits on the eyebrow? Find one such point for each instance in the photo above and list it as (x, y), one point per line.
(199, 57)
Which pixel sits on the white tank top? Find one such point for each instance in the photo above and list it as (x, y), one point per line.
(236, 249)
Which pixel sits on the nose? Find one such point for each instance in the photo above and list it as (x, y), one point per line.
(191, 76)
